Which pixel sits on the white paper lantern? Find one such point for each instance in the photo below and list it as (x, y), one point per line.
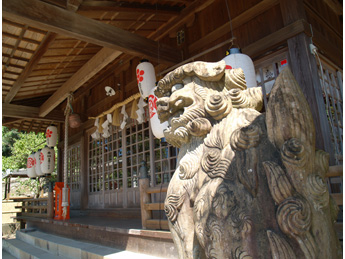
(47, 160)
(236, 59)
(31, 166)
(38, 163)
(51, 136)
(146, 78)
(156, 126)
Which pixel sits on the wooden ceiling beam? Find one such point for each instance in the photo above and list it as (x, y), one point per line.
(184, 16)
(51, 18)
(91, 68)
(129, 7)
(30, 66)
(28, 112)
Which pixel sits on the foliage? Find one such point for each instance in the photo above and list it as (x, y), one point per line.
(22, 148)
(8, 139)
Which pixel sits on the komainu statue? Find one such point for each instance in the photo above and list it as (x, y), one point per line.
(248, 184)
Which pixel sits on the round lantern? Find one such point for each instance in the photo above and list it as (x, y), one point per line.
(156, 126)
(51, 135)
(38, 163)
(47, 160)
(31, 166)
(236, 59)
(146, 78)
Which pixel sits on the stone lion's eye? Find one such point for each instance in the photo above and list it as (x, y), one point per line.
(176, 87)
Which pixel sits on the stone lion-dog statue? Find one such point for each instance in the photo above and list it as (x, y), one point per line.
(247, 184)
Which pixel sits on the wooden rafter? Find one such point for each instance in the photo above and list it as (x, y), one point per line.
(28, 112)
(30, 66)
(92, 67)
(185, 15)
(58, 20)
(129, 7)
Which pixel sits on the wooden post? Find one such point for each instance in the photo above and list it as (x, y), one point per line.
(144, 184)
(304, 68)
(50, 203)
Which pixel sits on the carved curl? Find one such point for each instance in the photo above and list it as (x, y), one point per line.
(278, 183)
(218, 106)
(280, 248)
(318, 191)
(245, 138)
(294, 217)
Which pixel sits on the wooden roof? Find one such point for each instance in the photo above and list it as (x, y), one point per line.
(53, 47)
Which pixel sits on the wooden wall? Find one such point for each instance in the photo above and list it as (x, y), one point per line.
(258, 26)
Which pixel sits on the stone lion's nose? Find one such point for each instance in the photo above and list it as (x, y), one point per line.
(163, 108)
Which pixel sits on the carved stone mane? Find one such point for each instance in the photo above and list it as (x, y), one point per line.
(247, 185)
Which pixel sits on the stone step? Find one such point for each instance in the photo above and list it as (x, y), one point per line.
(22, 250)
(7, 255)
(43, 245)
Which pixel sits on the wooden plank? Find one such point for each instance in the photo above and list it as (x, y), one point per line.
(336, 7)
(36, 215)
(76, 26)
(304, 68)
(334, 171)
(236, 22)
(157, 189)
(180, 20)
(157, 224)
(154, 206)
(338, 197)
(30, 66)
(34, 207)
(111, 6)
(28, 112)
(266, 43)
(91, 68)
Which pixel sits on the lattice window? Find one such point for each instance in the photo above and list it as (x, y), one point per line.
(73, 167)
(164, 160)
(95, 165)
(137, 150)
(267, 70)
(121, 164)
(112, 155)
(332, 89)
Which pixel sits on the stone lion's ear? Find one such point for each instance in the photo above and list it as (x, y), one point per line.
(207, 71)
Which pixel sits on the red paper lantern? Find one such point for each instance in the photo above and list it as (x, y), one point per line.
(156, 126)
(51, 136)
(38, 163)
(31, 166)
(47, 160)
(236, 59)
(146, 78)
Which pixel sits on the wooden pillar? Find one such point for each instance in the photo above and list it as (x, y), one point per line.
(84, 195)
(304, 68)
(59, 168)
(144, 184)
(50, 205)
(145, 198)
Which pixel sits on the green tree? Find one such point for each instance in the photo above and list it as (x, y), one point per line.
(21, 149)
(8, 139)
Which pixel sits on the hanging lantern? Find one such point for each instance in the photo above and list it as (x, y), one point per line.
(47, 160)
(156, 126)
(38, 163)
(51, 135)
(74, 121)
(146, 78)
(236, 59)
(31, 166)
